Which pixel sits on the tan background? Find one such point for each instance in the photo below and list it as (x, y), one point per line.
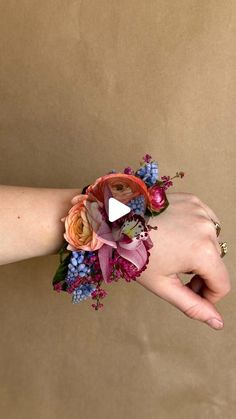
(87, 87)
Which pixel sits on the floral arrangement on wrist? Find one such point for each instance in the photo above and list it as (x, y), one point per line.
(96, 249)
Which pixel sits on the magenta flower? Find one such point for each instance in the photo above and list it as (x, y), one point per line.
(167, 182)
(147, 158)
(129, 171)
(101, 293)
(157, 198)
(97, 306)
(58, 287)
(128, 241)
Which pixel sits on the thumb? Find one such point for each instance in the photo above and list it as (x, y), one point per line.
(171, 289)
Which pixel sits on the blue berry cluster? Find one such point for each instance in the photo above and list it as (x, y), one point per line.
(82, 292)
(148, 173)
(77, 266)
(138, 205)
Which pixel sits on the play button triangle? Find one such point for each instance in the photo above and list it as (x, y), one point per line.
(116, 209)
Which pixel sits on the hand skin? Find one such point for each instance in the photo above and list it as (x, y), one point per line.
(185, 241)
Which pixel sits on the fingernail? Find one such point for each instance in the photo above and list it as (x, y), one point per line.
(215, 323)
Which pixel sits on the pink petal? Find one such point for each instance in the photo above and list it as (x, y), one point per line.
(149, 242)
(104, 253)
(131, 245)
(117, 233)
(104, 234)
(138, 256)
(93, 214)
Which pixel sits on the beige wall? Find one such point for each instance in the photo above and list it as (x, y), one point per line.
(88, 86)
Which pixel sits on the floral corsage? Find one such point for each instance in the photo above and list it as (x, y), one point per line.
(96, 249)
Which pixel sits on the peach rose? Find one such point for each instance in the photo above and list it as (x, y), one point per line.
(81, 224)
(123, 187)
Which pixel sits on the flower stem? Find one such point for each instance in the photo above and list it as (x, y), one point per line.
(178, 174)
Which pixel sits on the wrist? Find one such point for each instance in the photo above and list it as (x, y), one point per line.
(33, 215)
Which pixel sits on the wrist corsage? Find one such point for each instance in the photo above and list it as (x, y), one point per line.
(106, 230)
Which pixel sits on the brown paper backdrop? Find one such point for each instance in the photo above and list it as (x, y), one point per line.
(87, 87)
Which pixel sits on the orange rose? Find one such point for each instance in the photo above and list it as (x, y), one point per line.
(81, 224)
(123, 187)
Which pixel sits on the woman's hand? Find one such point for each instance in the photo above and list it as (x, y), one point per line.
(184, 242)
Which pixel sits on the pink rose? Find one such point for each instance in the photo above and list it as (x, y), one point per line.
(157, 198)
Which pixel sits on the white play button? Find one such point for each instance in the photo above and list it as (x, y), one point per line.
(116, 209)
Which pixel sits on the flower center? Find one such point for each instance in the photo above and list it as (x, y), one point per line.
(119, 187)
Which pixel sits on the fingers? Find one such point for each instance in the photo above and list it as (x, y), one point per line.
(196, 284)
(210, 212)
(196, 299)
(181, 296)
(212, 270)
(211, 280)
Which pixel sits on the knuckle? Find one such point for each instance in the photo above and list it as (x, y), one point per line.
(194, 199)
(205, 248)
(193, 312)
(207, 227)
(226, 288)
(209, 248)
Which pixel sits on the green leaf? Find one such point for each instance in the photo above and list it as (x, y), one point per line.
(63, 250)
(62, 270)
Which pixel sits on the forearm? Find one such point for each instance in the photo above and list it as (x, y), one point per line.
(30, 221)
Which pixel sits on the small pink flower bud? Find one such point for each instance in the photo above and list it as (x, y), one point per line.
(129, 171)
(58, 287)
(147, 158)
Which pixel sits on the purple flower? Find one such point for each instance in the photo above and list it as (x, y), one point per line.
(147, 158)
(129, 171)
(167, 182)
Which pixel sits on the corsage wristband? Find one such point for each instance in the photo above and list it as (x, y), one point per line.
(101, 246)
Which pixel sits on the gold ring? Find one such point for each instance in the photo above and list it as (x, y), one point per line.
(217, 226)
(224, 249)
